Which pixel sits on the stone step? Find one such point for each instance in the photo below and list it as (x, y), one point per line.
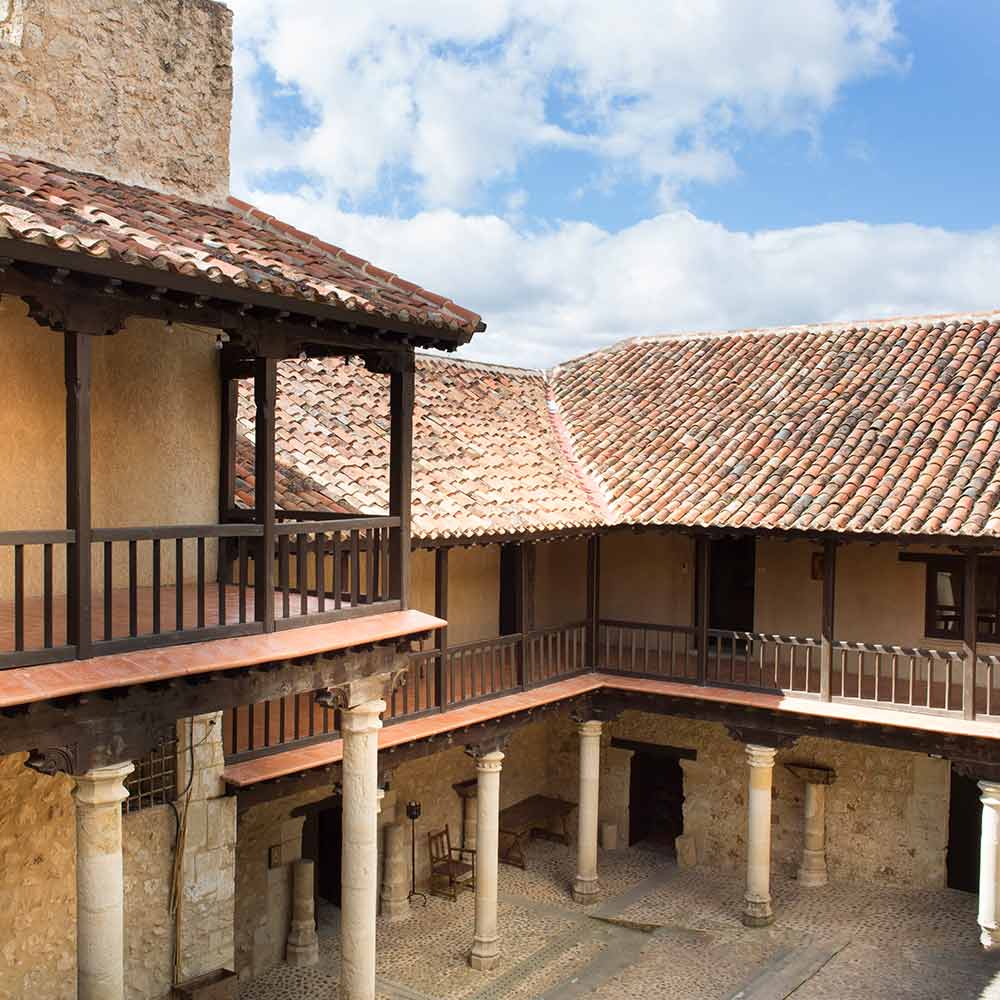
(789, 968)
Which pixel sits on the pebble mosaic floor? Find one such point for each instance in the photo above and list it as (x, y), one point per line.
(662, 932)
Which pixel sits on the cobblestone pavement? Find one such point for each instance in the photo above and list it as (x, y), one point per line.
(662, 932)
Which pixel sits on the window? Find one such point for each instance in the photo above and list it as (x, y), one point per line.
(945, 605)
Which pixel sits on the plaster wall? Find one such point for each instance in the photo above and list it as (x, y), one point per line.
(560, 582)
(155, 438)
(136, 90)
(647, 577)
(473, 591)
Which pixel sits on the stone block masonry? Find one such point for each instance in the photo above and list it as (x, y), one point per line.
(136, 90)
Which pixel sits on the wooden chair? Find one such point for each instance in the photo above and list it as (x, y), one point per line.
(452, 868)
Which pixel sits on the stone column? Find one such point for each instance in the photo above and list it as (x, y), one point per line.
(395, 874)
(359, 878)
(586, 888)
(757, 909)
(486, 944)
(100, 887)
(303, 942)
(989, 866)
(812, 871)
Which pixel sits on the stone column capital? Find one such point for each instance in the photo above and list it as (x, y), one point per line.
(591, 729)
(991, 794)
(760, 756)
(492, 761)
(363, 718)
(103, 785)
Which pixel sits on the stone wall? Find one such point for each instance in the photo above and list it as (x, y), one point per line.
(37, 884)
(887, 812)
(135, 90)
(148, 848)
(206, 908)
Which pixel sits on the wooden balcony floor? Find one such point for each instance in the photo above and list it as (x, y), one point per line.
(34, 613)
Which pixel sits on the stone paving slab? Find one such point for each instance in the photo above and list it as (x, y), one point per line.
(845, 941)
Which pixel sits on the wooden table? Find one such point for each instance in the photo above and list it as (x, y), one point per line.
(531, 817)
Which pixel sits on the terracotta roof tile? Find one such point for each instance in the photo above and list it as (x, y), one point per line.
(885, 428)
(487, 459)
(237, 245)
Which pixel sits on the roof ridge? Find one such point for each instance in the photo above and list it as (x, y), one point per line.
(473, 363)
(590, 484)
(919, 320)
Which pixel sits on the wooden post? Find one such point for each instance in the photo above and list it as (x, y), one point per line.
(702, 589)
(227, 469)
(523, 604)
(78, 513)
(826, 628)
(441, 635)
(969, 635)
(400, 472)
(265, 387)
(593, 599)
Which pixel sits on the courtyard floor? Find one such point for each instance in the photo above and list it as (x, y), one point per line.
(663, 932)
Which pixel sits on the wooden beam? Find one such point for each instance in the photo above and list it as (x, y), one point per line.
(227, 447)
(441, 635)
(702, 590)
(593, 599)
(828, 616)
(970, 631)
(265, 391)
(401, 391)
(78, 513)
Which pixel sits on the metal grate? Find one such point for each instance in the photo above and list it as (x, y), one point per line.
(154, 780)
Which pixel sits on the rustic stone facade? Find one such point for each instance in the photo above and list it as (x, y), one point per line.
(206, 904)
(136, 90)
(37, 884)
(886, 814)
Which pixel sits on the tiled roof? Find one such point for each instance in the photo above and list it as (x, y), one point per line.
(235, 245)
(292, 489)
(892, 428)
(488, 457)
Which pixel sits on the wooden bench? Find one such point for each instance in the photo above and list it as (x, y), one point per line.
(531, 817)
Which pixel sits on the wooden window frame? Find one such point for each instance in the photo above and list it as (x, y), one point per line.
(955, 564)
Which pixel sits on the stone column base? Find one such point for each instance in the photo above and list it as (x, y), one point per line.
(485, 955)
(586, 891)
(300, 950)
(990, 938)
(812, 872)
(757, 913)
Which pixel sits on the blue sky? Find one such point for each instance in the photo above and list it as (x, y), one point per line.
(578, 178)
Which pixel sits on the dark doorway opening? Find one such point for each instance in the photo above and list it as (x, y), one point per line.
(656, 801)
(510, 581)
(964, 823)
(322, 842)
(733, 564)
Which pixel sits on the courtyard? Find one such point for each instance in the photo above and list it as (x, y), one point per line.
(662, 931)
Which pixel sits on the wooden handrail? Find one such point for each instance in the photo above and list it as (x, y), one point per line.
(329, 527)
(169, 531)
(59, 537)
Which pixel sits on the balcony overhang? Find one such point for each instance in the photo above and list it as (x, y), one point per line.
(25, 686)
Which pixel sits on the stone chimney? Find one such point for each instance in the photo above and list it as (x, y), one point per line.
(135, 90)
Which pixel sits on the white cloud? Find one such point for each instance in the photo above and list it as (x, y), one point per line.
(550, 295)
(450, 96)
(455, 94)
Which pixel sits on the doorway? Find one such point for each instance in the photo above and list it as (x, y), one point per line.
(322, 842)
(656, 800)
(732, 571)
(964, 826)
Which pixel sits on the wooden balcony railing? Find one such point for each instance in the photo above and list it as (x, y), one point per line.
(170, 584)
(33, 571)
(436, 681)
(918, 679)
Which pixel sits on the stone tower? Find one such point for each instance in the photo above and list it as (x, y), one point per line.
(136, 90)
